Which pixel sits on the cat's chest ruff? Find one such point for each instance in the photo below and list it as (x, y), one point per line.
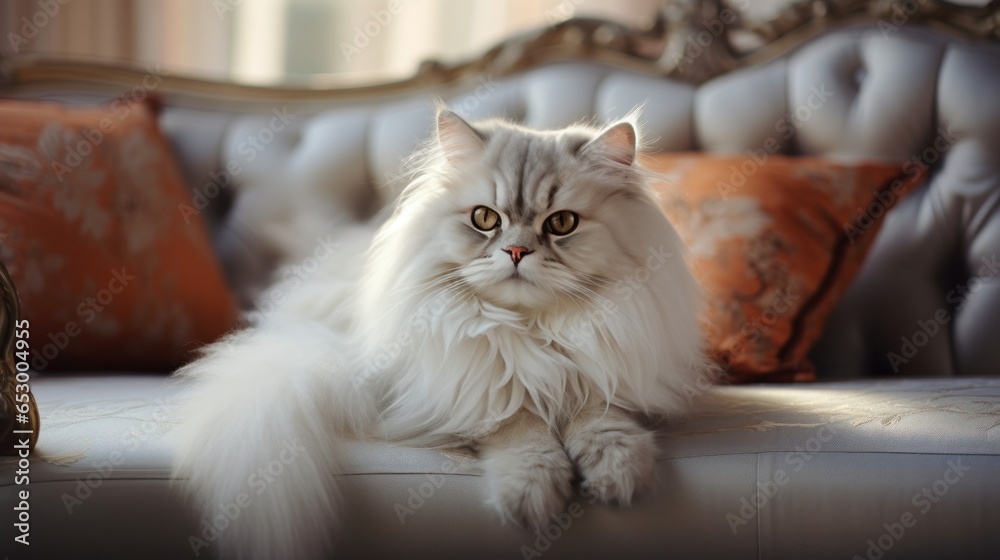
(479, 364)
(514, 341)
(498, 323)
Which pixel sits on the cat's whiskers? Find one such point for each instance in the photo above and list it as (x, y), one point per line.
(438, 275)
(425, 289)
(467, 291)
(596, 300)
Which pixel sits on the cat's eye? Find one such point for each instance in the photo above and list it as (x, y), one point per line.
(562, 222)
(485, 219)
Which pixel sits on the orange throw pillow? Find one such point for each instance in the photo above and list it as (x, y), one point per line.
(774, 242)
(109, 274)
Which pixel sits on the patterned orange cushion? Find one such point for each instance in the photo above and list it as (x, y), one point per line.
(109, 274)
(775, 242)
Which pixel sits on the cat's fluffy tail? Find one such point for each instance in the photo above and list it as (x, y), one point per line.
(258, 443)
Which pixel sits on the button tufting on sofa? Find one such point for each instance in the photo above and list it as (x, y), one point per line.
(923, 99)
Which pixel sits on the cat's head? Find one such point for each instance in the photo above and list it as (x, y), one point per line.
(531, 219)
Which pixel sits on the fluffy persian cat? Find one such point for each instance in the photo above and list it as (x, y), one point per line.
(526, 298)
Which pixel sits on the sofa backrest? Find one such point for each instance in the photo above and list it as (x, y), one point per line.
(929, 292)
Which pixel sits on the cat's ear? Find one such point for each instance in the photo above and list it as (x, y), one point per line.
(616, 144)
(458, 140)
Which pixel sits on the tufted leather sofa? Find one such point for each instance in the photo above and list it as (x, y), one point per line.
(901, 460)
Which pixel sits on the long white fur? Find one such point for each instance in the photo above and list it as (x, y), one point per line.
(431, 347)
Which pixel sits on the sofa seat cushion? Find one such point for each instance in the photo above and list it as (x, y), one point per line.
(820, 470)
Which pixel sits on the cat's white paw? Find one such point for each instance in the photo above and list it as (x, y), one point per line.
(615, 456)
(528, 474)
(531, 486)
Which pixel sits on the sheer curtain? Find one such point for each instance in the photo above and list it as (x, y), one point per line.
(276, 41)
(181, 35)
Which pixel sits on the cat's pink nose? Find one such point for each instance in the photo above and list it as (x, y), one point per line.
(517, 253)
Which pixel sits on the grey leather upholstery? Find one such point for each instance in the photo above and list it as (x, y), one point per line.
(848, 462)
(806, 471)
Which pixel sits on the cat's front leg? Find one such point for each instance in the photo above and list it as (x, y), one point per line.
(529, 475)
(613, 452)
